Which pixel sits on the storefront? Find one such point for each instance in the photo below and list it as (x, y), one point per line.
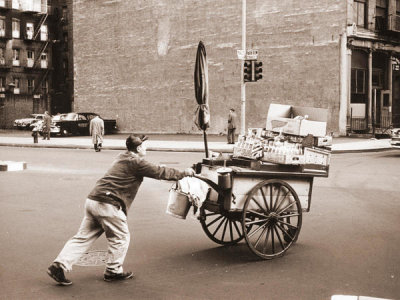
(374, 94)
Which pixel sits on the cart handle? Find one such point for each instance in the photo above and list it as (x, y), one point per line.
(211, 183)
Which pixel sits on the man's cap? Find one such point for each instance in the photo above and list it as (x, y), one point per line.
(232, 109)
(133, 141)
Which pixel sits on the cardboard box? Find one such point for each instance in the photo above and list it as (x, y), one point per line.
(281, 117)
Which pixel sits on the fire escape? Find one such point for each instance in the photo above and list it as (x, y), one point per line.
(38, 55)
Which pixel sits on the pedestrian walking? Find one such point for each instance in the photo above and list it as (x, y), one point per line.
(35, 133)
(96, 128)
(231, 126)
(46, 125)
(106, 210)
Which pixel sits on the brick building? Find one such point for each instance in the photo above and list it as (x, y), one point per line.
(32, 76)
(134, 60)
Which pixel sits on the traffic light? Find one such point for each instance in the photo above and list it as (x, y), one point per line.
(247, 71)
(258, 70)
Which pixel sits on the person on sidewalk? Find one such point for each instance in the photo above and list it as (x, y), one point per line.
(46, 125)
(96, 129)
(106, 210)
(231, 126)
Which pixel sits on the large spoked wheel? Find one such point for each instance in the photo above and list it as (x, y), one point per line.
(272, 217)
(222, 229)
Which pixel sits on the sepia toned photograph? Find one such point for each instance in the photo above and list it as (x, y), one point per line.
(186, 149)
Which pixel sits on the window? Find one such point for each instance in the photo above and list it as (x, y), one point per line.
(29, 31)
(15, 4)
(43, 33)
(397, 7)
(2, 26)
(380, 15)
(44, 87)
(2, 84)
(16, 57)
(31, 85)
(43, 61)
(2, 60)
(358, 77)
(65, 14)
(359, 12)
(30, 58)
(16, 82)
(377, 78)
(15, 28)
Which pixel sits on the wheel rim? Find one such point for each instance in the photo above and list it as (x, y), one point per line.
(222, 229)
(272, 218)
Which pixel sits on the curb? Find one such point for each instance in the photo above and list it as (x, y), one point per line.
(171, 149)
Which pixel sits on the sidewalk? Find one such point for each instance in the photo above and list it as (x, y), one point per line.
(172, 142)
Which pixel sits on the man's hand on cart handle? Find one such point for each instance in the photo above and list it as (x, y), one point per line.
(189, 172)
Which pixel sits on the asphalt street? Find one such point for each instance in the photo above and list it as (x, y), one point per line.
(348, 244)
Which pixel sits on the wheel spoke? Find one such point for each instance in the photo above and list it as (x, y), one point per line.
(218, 227)
(257, 221)
(224, 230)
(215, 220)
(287, 224)
(271, 194)
(266, 240)
(230, 229)
(261, 235)
(287, 207)
(258, 204)
(258, 214)
(288, 216)
(279, 238)
(237, 229)
(285, 232)
(272, 241)
(280, 203)
(255, 231)
(265, 199)
(277, 198)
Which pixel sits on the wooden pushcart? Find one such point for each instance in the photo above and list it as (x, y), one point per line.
(261, 203)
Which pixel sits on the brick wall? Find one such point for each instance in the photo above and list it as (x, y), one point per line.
(134, 60)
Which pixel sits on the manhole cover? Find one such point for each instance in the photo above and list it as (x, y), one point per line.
(93, 258)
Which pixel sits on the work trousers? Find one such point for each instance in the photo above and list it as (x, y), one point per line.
(99, 217)
(231, 135)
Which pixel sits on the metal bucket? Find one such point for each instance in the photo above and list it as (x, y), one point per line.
(178, 203)
(224, 178)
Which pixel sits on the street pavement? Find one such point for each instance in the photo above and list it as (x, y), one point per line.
(173, 142)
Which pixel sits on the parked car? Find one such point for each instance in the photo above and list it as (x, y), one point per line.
(26, 123)
(78, 124)
(53, 129)
(395, 138)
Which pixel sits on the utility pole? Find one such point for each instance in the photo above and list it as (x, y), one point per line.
(242, 84)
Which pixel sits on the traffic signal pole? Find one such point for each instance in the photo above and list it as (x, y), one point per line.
(243, 85)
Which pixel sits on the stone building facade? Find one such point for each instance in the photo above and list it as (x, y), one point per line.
(134, 60)
(33, 50)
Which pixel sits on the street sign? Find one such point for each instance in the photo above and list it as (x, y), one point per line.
(250, 54)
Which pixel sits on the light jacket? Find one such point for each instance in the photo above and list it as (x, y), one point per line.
(96, 128)
(122, 181)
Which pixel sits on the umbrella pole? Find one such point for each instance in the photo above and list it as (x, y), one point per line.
(205, 142)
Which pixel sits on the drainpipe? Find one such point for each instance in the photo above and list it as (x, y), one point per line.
(343, 88)
(390, 86)
(370, 90)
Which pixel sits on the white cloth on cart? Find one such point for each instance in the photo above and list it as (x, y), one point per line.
(195, 188)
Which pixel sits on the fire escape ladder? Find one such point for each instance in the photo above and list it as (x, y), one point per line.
(42, 49)
(41, 22)
(39, 84)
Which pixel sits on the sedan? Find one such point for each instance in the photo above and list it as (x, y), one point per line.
(26, 123)
(395, 138)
